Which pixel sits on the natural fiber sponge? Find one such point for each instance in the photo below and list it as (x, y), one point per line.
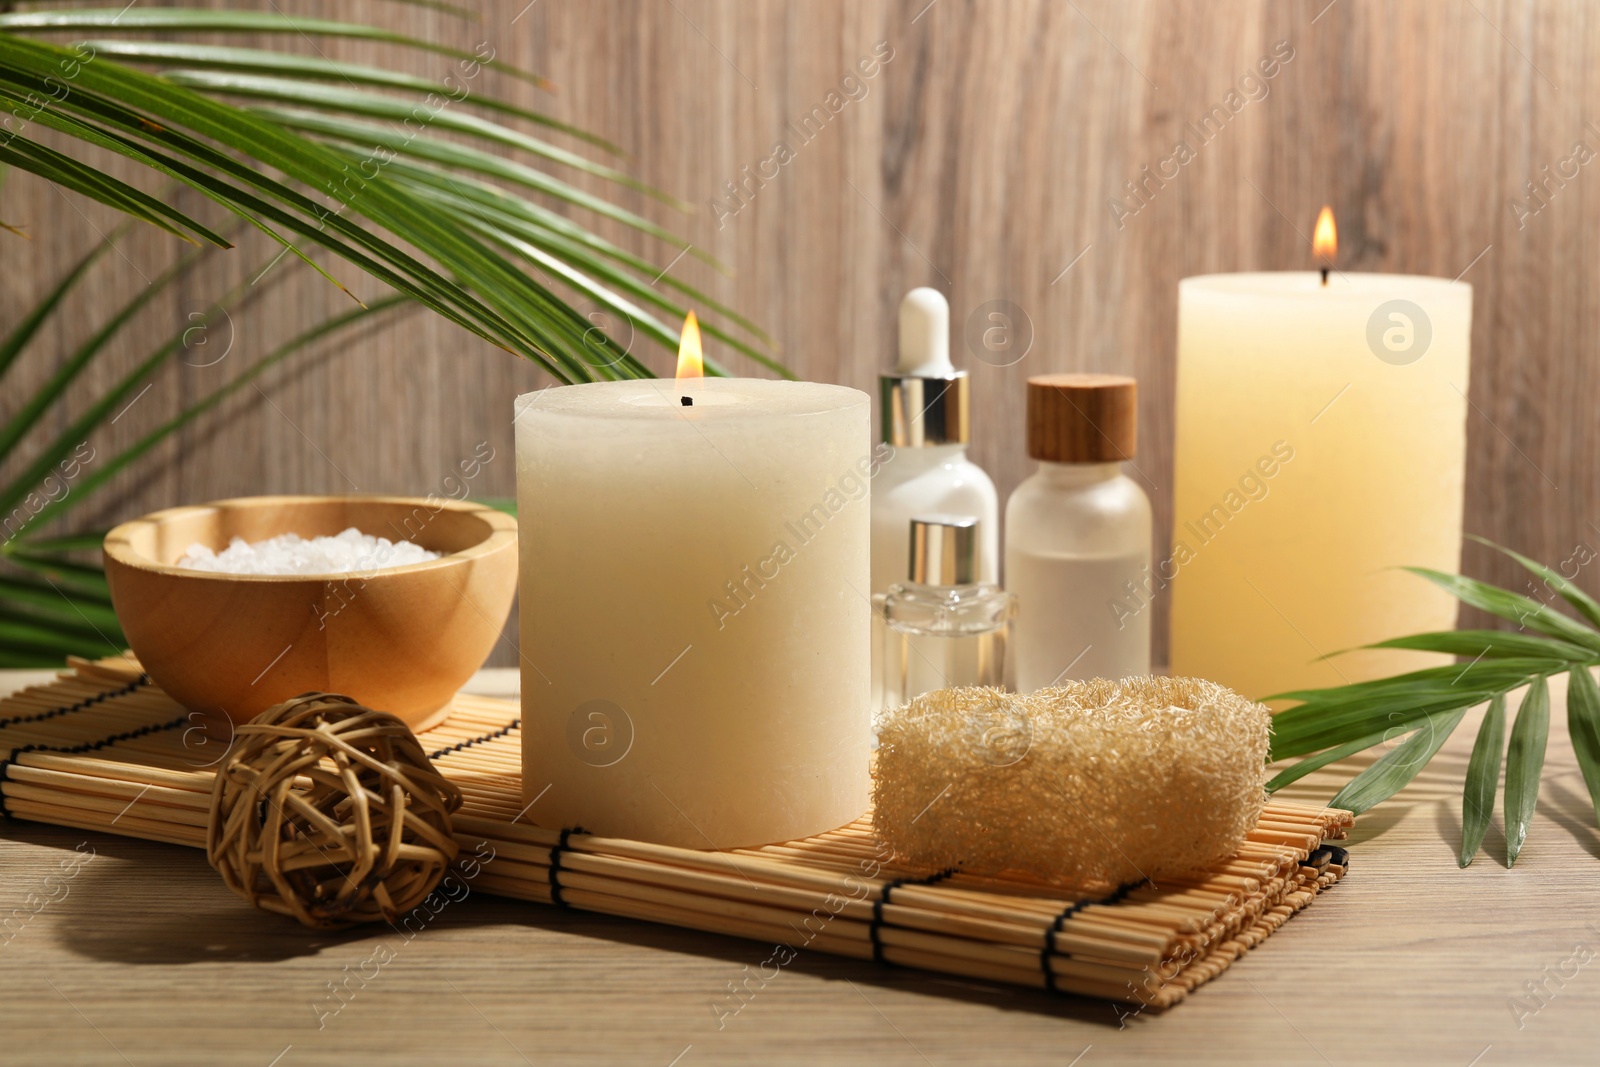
(1094, 783)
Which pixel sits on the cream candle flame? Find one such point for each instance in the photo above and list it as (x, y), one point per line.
(691, 363)
(1325, 241)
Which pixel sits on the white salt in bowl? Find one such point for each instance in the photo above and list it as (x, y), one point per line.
(401, 639)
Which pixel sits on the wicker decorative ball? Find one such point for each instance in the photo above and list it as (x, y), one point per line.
(331, 812)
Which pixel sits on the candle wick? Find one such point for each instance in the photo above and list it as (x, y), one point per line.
(686, 401)
(1325, 271)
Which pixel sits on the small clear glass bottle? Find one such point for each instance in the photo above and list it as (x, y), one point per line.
(942, 627)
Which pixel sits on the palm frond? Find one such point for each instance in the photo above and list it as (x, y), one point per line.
(268, 134)
(34, 407)
(204, 57)
(472, 228)
(131, 19)
(1329, 724)
(51, 604)
(106, 469)
(396, 109)
(13, 344)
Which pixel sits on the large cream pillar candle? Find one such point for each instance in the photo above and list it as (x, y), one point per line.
(1321, 443)
(695, 609)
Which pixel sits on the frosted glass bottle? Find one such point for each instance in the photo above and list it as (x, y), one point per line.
(1078, 538)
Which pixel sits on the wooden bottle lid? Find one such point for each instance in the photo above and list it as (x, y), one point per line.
(1082, 418)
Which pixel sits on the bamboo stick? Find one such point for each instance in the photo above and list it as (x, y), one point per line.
(196, 781)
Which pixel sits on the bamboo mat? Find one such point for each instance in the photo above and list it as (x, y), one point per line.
(101, 748)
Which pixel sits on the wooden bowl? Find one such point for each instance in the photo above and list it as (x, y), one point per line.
(402, 639)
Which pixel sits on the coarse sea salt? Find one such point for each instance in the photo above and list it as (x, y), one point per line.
(349, 551)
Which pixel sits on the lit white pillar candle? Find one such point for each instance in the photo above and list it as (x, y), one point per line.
(694, 609)
(1321, 443)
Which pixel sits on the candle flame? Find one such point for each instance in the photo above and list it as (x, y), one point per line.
(1325, 240)
(691, 364)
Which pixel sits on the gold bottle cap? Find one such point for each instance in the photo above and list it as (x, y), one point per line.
(1082, 418)
(917, 411)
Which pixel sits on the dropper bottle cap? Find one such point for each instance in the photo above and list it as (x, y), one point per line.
(944, 550)
(925, 400)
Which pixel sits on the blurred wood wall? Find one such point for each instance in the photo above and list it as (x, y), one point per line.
(984, 158)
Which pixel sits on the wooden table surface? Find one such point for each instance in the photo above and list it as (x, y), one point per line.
(143, 957)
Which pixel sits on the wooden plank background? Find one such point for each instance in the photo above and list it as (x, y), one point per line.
(983, 159)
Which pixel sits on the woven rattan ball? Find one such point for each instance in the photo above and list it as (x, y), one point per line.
(332, 813)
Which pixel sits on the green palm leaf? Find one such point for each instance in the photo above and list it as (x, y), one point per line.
(104, 470)
(1583, 723)
(1492, 643)
(75, 581)
(396, 109)
(1335, 716)
(462, 157)
(52, 390)
(495, 216)
(1587, 606)
(260, 61)
(1395, 768)
(44, 640)
(68, 173)
(110, 140)
(1513, 607)
(133, 19)
(67, 609)
(1322, 759)
(13, 344)
(82, 542)
(36, 598)
(1524, 762)
(319, 225)
(78, 431)
(1483, 778)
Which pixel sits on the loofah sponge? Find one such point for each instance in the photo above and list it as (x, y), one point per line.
(1094, 784)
